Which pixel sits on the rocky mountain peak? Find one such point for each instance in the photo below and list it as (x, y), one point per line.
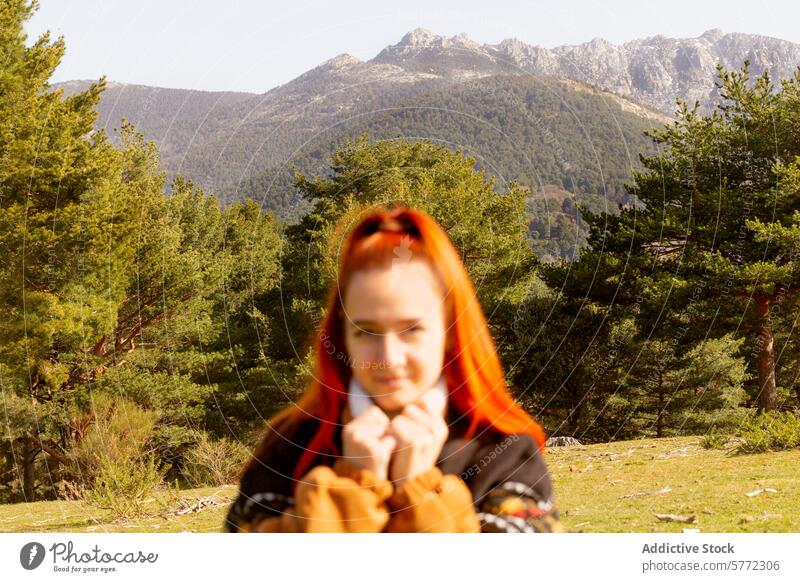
(600, 43)
(652, 71)
(713, 35)
(421, 39)
(463, 41)
(418, 38)
(341, 61)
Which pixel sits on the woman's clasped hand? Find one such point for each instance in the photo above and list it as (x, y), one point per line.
(397, 448)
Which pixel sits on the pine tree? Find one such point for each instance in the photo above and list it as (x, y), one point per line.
(712, 242)
(106, 283)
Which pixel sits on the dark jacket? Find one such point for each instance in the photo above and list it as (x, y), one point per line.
(490, 483)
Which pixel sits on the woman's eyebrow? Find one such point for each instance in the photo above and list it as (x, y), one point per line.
(369, 322)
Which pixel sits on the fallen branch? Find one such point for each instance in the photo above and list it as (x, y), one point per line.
(670, 517)
(201, 504)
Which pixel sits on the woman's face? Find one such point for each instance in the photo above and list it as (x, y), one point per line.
(394, 330)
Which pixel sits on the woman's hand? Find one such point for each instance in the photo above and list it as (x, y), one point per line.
(367, 443)
(420, 434)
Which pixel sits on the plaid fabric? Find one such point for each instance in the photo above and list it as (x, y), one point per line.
(514, 507)
(509, 481)
(247, 511)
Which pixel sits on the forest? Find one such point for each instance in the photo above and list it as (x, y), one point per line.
(148, 330)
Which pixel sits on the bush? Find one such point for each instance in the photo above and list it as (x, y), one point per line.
(123, 486)
(119, 431)
(214, 462)
(769, 432)
(714, 440)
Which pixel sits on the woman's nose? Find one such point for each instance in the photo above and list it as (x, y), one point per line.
(392, 351)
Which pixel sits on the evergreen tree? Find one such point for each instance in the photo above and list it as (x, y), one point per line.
(106, 283)
(713, 238)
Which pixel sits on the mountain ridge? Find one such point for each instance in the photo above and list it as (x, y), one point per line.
(221, 139)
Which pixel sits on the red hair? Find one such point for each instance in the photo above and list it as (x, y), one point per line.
(472, 369)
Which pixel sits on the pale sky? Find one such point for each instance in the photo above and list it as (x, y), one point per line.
(251, 45)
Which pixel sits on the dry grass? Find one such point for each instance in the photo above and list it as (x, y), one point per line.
(610, 487)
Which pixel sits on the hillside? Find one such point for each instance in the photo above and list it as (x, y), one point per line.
(566, 142)
(545, 133)
(609, 487)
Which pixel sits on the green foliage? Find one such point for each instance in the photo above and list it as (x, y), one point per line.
(118, 429)
(552, 370)
(687, 393)
(125, 485)
(693, 270)
(714, 440)
(109, 285)
(769, 432)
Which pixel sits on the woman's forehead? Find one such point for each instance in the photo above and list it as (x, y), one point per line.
(401, 293)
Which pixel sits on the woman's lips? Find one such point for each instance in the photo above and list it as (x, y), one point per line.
(392, 382)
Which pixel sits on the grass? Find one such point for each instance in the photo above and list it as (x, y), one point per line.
(78, 517)
(615, 487)
(610, 487)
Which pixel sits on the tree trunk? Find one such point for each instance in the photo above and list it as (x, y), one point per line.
(768, 392)
(28, 456)
(660, 417)
(572, 421)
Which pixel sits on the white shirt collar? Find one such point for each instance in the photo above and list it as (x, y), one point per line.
(359, 400)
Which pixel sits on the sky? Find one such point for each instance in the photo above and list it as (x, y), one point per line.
(255, 45)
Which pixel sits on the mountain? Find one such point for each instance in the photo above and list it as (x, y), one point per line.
(513, 105)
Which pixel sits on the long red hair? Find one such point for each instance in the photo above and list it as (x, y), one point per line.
(472, 369)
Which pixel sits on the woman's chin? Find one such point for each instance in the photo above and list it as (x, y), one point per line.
(394, 402)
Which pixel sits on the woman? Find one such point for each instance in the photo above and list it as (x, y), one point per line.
(407, 424)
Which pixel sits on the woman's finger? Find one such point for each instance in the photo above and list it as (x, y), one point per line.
(387, 443)
(405, 429)
(420, 416)
(432, 423)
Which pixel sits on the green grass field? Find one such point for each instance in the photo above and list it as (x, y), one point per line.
(619, 487)
(611, 487)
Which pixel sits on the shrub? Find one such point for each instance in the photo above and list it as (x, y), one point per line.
(119, 431)
(214, 462)
(123, 486)
(769, 432)
(714, 440)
